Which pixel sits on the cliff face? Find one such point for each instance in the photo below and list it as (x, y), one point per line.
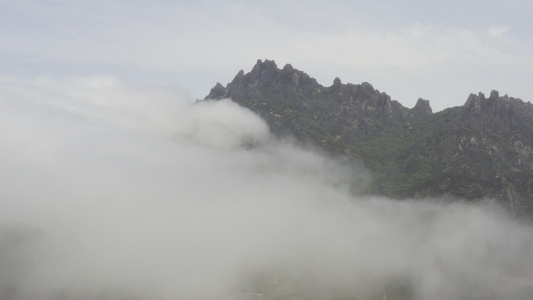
(482, 149)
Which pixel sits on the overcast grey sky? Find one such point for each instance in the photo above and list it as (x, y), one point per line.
(437, 50)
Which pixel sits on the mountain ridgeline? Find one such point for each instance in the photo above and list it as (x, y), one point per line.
(481, 150)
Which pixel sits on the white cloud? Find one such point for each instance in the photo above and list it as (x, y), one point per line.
(416, 47)
(174, 37)
(497, 32)
(100, 202)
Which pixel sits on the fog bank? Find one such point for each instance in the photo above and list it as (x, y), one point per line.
(112, 191)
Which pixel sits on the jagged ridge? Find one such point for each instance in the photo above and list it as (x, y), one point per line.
(478, 150)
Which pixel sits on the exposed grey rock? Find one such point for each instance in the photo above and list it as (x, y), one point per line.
(422, 107)
(218, 91)
(482, 149)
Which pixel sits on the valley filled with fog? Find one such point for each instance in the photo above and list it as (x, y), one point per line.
(114, 191)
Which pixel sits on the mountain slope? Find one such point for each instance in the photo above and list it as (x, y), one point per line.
(479, 150)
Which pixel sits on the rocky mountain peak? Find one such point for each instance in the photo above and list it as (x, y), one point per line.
(288, 68)
(336, 83)
(367, 86)
(218, 91)
(483, 149)
(305, 92)
(494, 95)
(494, 106)
(265, 71)
(473, 104)
(422, 107)
(266, 75)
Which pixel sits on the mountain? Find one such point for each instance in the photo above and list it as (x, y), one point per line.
(480, 150)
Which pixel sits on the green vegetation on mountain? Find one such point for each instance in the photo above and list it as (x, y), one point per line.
(479, 150)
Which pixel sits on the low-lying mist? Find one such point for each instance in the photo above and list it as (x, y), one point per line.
(110, 191)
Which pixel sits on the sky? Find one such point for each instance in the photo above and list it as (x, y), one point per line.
(440, 51)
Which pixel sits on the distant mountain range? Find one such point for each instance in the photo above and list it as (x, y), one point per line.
(481, 150)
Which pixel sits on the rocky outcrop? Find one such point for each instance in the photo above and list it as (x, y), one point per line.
(495, 107)
(482, 149)
(265, 76)
(350, 109)
(422, 108)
